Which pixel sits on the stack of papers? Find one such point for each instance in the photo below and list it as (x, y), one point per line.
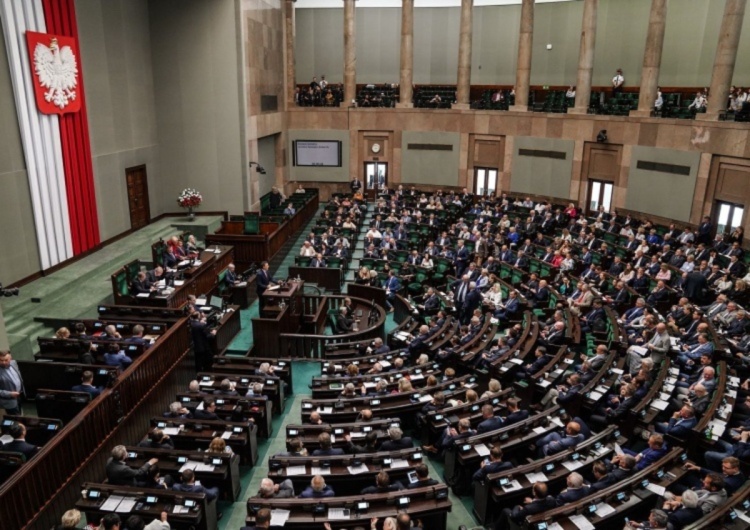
(295, 470)
(180, 509)
(557, 421)
(482, 450)
(425, 398)
(581, 522)
(190, 464)
(338, 514)
(318, 470)
(325, 410)
(617, 371)
(226, 435)
(603, 509)
(516, 360)
(659, 490)
(540, 430)
(572, 465)
(659, 404)
(594, 396)
(111, 504)
(205, 467)
(126, 506)
(544, 383)
(536, 477)
(399, 463)
(279, 517)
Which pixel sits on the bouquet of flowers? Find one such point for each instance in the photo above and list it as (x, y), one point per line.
(189, 198)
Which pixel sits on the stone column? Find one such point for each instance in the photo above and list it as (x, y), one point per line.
(3, 334)
(585, 58)
(523, 69)
(726, 56)
(406, 80)
(290, 79)
(350, 54)
(464, 56)
(652, 58)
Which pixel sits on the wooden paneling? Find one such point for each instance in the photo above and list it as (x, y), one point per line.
(733, 183)
(602, 161)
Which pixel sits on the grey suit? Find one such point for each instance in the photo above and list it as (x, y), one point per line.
(10, 381)
(660, 345)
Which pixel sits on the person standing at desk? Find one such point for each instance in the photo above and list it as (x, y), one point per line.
(263, 281)
(11, 384)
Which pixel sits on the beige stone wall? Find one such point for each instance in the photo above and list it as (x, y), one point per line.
(710, 139)
(263, 59)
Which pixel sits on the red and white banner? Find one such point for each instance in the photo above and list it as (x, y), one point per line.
(50, 101)
(54, 67)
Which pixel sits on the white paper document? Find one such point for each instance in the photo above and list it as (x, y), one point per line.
(572, 465)
(356, 470)
(171, 431)
(603, 509)
(111, 504)
(180, 509)
(338, 514)
(482, 450)
(581, 522)
(540, 430)
(618, 449)
(190, 464)
(594, 396)
(295, 470)
(397, 463)
(318, 470)
(536, 477)
(226, 435)
(659, 404)
(544, 383)
(279, 517)
(513, 485)
(557, 421)
(659, 490)
(126, 506)
(516, 360)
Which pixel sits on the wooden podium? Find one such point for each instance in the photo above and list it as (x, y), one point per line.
(288, 295)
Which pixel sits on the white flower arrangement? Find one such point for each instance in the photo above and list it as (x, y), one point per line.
(189, 198)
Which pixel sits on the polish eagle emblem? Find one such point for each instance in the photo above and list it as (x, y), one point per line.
(57, 70)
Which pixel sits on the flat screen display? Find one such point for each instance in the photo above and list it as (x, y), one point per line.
(321, 153)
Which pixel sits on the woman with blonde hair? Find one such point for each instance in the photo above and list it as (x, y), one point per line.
(70, 520)
(389, 523)
(493, 388)
(219, 446)
(404, 385)
(352, 370)
(62, 333)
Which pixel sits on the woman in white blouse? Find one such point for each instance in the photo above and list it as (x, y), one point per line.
(427, 262)
(494, 296)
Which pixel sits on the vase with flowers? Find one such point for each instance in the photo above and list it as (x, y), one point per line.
(190, 199)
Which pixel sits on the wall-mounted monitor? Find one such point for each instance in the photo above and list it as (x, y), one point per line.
(317, 153)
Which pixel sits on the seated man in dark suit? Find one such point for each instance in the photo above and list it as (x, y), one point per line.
(370, 445)
(141, 285)
(576, 490)
(382, 484)
(120, 474)
(157, 440)
(317, 489)
(344, 324)
(318, 262)
(531, 506)
(515, 414)
(423, 478)
(187, 484)
(17, 431)
(230, 278)
(618, 469)
(155, 275)
(262, 520)
(87, 384)
(137, 337)
(208, 412)
(397, 440)
(542, 358)
(489, 422)
(680, 424)
(494, 464)
(324, 439)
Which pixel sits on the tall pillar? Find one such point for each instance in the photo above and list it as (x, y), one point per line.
(3, 333)
(657, 23)
(350, 54)
(406, 80)
(523, 69)
(290, 76)
(464, 56)
(585, 58)
(726, 56)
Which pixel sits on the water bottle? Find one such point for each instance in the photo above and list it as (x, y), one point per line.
(710, 432)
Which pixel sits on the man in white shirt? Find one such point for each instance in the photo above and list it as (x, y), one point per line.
(659, 103)
(617, 82)
(699, 102)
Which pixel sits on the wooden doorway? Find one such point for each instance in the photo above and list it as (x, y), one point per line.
(140, 211)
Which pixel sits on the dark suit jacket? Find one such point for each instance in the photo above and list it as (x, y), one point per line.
(21, 446)
(262, 280)
(120, 474)
(572, 495)
(395, 445)
(490, 424)
(328, 452)
(94, 391)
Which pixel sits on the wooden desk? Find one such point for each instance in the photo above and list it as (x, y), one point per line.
(199, 433)
(282, 368)
(225, 473)
(229, 326)
(430, 505)
(273, 387)
(202, 517)
(61, 375)
(39, 431)
(258, 408)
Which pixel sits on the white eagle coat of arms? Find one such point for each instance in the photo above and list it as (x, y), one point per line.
(57, 71)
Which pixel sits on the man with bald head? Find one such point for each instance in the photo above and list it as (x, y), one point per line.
(655, 349)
